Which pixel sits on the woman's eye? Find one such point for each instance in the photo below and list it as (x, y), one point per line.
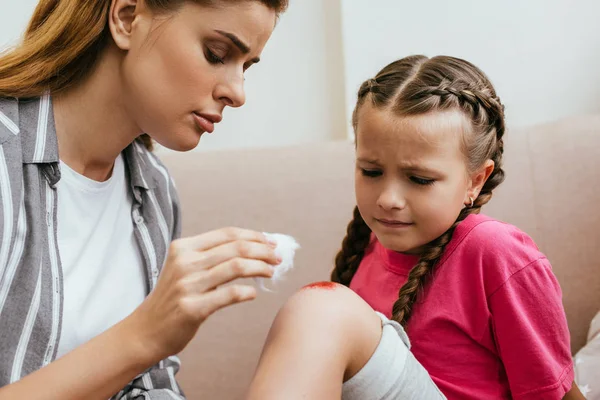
(422, 181)
(371, 173)
(213, 58)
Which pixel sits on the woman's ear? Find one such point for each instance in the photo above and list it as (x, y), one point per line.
(478, 179)
(120, 21)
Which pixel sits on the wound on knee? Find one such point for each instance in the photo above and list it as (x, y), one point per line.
(322, 285)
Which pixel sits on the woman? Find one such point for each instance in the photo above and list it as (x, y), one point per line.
(97, 293)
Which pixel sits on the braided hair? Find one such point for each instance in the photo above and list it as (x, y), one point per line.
(417, 85)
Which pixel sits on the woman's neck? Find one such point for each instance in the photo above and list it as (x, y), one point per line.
(93, 125)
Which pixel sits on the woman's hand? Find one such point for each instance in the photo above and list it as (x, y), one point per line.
(190, 287)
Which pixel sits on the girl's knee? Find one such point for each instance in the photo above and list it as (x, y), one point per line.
(330, 301)
(332, 310)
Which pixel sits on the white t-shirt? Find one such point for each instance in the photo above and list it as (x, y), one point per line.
(104, 280)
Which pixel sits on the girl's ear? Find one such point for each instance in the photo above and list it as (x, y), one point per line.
(478, 179)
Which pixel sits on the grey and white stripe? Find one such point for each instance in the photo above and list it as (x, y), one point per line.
(31, 298)
(17, 367)
(54, 267)
(10, 125)
(7, 212)
(17, 253)
(42, 128)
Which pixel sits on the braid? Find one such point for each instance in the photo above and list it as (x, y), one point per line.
(418, 275)
(476, 98)
(493, 116)
(369, 86)
(353, 249)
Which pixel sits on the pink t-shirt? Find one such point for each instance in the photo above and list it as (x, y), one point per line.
(490, 324)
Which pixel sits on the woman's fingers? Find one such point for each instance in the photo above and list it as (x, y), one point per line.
(222, 297)
(219, 237)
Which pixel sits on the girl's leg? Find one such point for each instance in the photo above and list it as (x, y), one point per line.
(322, 337)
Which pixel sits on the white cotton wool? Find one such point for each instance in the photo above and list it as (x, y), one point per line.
(286, 249)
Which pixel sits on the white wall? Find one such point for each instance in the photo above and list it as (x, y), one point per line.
(296, 93)
(543, 56)
(13, 19)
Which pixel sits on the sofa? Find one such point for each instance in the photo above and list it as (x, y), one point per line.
(552, 192)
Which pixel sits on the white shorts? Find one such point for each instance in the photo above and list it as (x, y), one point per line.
(392, 372)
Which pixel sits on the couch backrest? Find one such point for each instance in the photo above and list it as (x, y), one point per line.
(551, 192)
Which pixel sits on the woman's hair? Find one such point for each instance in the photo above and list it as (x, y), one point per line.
(418, 85)
(63, 41)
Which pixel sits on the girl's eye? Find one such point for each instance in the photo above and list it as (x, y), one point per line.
(422, 181)
(213, 58)
(371, 173)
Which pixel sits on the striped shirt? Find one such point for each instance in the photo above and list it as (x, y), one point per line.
(31, 281)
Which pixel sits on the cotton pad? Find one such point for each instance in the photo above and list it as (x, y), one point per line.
(286, 249)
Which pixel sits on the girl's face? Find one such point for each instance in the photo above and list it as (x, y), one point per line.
(180, 70)
(411, 175)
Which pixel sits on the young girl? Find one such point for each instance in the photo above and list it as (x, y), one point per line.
(478, 300)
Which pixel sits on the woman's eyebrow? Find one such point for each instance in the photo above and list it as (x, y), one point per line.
(244, 48)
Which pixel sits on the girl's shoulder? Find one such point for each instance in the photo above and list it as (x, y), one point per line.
(488, 234)
(494, 250)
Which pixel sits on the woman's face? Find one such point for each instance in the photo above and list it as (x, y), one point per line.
(181, 69)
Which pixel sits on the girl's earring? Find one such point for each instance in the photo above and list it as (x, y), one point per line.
(472, 202)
